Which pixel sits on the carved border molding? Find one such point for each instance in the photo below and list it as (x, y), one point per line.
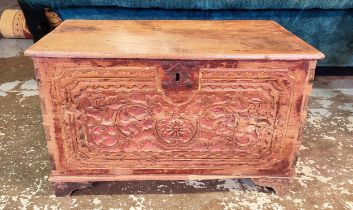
(121, 113)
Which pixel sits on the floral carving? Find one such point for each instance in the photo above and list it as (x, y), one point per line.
(98, 128)
(230, 122)
(236, 129)
(133, 119)
(112, 124)
(176, 131)
(224, 120)
(104, 136)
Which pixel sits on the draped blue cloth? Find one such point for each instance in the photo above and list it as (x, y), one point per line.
(199, 4)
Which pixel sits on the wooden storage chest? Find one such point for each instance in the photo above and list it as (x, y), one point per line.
(172, 100)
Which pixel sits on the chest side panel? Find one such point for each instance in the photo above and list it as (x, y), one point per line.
(175, 114)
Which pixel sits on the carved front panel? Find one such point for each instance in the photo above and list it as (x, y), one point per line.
(138, 115)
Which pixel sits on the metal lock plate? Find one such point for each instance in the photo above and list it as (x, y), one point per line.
(179, 76)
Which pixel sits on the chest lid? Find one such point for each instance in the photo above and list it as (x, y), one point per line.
(173, 39)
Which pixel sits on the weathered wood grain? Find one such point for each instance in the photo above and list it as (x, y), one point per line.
(170, 39)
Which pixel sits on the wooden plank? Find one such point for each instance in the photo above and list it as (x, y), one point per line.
(171, 39)
(106, 178)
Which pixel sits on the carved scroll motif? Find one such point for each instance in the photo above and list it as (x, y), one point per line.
(120, 119)
(230, 122)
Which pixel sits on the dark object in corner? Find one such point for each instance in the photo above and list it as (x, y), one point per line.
(334, 71)
(36, 20)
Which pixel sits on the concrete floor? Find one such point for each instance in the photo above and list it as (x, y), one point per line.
(324, 170)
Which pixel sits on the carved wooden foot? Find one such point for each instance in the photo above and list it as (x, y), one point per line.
(63, 189)
(280, 185)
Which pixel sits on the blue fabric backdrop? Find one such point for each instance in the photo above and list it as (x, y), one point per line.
(199, 4)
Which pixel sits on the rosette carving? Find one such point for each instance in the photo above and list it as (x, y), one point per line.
(177, 131)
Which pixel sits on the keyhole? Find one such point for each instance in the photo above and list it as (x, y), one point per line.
(177, 77)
